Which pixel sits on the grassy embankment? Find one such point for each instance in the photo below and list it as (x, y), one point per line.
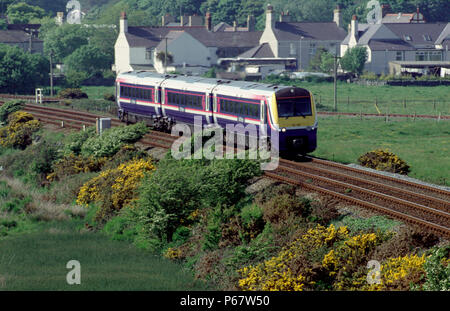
(41, 229)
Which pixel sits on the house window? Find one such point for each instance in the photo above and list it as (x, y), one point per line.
(400, 55)
(149, 54)
(292, 49)
(408, 38)
(436, 56)
(428, 56)
(312, 49)
(420, 56)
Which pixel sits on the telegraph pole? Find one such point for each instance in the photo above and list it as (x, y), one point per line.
(51, 72)
(335, 79)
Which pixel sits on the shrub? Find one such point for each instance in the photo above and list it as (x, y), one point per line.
(76, 140)
(73, 164)
(109, 97)
(9, 107)
(383, 160)
(437, 269)
(114, 188)
(284, 211)
(342, 262)
(111, 140)
(251, 217)
(18, 132)
(290, 269)
(179, 187)
(400, 273)
(72, 93)
(32, 164)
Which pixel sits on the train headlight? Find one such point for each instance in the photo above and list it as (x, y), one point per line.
(283, 129)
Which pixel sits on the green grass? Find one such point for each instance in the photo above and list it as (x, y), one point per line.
(365, 224)
(38, 262)
(97, 92)
(423, 144)
(390, 99)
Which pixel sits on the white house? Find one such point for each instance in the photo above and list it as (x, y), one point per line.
(402, 42)
(194, 46)
(300, 40)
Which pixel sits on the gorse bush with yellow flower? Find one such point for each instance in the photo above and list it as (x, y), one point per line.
(289, 270)
(114, 188)
(18, 133)
(384, 160)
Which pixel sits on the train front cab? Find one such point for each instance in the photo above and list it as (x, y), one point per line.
(295, 113)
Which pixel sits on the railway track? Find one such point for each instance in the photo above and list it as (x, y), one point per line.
(414, 203)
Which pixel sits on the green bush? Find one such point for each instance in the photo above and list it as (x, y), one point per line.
(9, 107)
(72, 93)
(76, 140)
(179, 187)
(111, 140)
(437, 268)
(32, 164)
(109, 97)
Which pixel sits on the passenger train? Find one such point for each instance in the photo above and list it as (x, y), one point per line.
(163, 100)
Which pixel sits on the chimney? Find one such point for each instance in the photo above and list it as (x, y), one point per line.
(337, 18)
(123, 22)
(250, 23)
(234, 26)
(285, 17)
(354, 28)
(270, 21)
(385, 8)
(208, 21)
(195, 20)
(166, 19)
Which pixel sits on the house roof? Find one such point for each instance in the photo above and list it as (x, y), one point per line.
(392, 45)
(260, 51)
(152, 36)
(421, 35)
(16, 36)
(397, 18)
(287, 31)
(401, 36)
(221, 26)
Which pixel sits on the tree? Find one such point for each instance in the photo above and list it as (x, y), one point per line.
(89, 59)
(64, 40)
(22, 13)
(20, 71)
(322, 61)
(354, 60)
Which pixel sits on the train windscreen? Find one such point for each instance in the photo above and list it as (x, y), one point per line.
(294, 106)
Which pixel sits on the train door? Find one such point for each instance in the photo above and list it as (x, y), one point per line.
(208, 108)
(157, 100)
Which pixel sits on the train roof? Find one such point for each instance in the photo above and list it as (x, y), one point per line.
(200, 83)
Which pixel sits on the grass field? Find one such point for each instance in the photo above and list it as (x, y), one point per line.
(358, 98)
(37, 261)
(423, 144)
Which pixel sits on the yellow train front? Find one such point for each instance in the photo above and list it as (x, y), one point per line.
(294, 113)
